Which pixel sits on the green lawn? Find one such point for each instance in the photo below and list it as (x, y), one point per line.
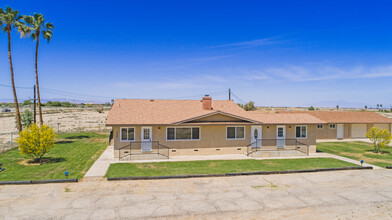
(358, 151)
(220, 166)
(74, 153)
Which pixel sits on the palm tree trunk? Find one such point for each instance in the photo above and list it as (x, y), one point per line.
(41, 121)
(18, 122)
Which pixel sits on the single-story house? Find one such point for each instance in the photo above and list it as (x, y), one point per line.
(203, 127)
(348, 124)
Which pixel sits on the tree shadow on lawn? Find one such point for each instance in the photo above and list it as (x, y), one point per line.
(45, 160)
(64, 142)
(381, 152)
(78, 137)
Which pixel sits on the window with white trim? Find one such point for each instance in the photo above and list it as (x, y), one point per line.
(320, 126)
(300, 131)
(127, 134)
(186, 133)
(237, 132)
(332, 126)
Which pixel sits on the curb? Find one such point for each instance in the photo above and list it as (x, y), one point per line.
(236, 174)
(38, 181)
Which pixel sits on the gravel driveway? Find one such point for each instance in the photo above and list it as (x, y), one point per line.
(363, 194)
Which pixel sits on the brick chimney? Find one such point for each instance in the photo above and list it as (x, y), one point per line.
(207, 102)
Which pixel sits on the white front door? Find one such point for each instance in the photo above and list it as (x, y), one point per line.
(146, 139)
(256, 137)
(340, 131)
(280, 136)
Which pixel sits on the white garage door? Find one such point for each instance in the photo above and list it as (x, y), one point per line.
(358, 130)
(382, 126)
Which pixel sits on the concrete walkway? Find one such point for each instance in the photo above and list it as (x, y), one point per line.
(327, 155)
(99, 168)
(347, 140)
(191, 158)
(343, 140)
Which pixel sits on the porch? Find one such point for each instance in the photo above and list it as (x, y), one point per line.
(265, 148)
(144, 150)
(277, 148)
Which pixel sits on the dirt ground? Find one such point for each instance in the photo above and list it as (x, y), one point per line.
(64, 119)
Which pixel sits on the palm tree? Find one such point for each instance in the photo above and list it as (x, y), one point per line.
(10, 20)
(38, 27)
(2, 12)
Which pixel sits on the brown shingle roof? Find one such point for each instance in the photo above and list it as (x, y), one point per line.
(350, 117)
(150, 112)
(278, 118)
(164, 112)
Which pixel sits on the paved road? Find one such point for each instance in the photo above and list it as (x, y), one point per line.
(328, 195)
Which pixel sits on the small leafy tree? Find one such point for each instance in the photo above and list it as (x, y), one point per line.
(27, 102)
(311, 108)
(27, 118)
(250, 106)
(380, 138)
(36, 141)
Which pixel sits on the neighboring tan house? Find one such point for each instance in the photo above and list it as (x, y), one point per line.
(344, 125)
(205, 127)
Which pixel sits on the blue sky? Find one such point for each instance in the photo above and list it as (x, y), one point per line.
(276, 53)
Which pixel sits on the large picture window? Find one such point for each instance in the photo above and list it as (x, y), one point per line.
(300, 131)
(235, 132)
(186, 133)
(127, 134)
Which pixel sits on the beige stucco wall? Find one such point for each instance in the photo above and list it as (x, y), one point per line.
(211, 136)
(331, 133)
(213, 139)
(326, 132)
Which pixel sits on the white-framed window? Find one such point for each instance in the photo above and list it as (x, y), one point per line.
(182, 133)
(300, 131)
(332, 125)
(127, 134)
(320, 126)
(235, 132)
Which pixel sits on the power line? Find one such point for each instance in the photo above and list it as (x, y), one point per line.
(201, 95)
(74, 95)
(238, 98)
(18, 87)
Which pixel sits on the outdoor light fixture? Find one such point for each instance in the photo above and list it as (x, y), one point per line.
(66, 174)
(361, 162)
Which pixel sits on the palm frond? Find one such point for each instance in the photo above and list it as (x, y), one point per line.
(8, 9)
(33, 35)
(39, 18)
(29, 20)
(49, 26)
(47, 34)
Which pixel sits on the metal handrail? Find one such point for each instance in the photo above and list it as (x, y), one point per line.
(251, 150)
(159, 148)
(167, 148)
(307, 147)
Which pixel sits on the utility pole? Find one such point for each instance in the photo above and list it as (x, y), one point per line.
(229, 94)
(35, 108)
